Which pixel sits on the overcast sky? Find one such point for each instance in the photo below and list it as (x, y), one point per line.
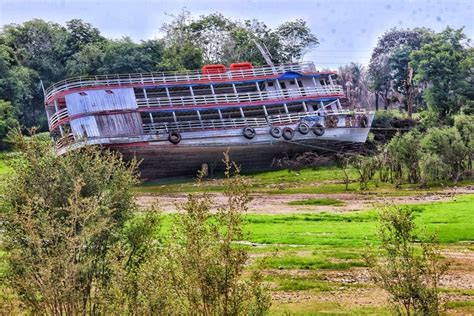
(347, 30)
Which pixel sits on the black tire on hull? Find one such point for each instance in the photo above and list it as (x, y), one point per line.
(303, 128)
(249, 132)
(275, 132)
(288, 133)
(174, 137)
(318, 129)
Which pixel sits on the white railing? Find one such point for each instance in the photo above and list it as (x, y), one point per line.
(64, 141)
(57, 117)
(165, 127)
(222, 99)
(155, 128)
(171, 77)
(290, 118)
(240, 97)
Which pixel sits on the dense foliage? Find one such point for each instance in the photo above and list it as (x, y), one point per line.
(420, 157)
(61, 217)
(423, 69)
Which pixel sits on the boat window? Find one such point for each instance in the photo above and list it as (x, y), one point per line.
(300, 83)
(283, 85)
(270, 84)
(322, 82)
(292, 82)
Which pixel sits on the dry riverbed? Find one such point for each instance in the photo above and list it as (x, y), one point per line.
(279, 203)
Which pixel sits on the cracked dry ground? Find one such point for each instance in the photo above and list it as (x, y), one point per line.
(352, 289)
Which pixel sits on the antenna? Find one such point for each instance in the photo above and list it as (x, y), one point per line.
(42, 87)
(265, 53)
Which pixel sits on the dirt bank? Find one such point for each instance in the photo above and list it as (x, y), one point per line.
(278, 203)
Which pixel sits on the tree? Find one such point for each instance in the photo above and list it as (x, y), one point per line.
(61, 217)
(354, 78)
(296, 39)
(410, 276)
(21, 88)
(7, 121)
(40, 46)
(115, 56)
(222, 40)
(445, 64)
(380, 70)
(402, 74)
(80, 35)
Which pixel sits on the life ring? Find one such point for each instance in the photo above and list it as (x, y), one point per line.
(275, 132)
(303, 128)
(249, 132)
(174, 137)
(318, 129)
(363, 121)
(332, 121)
(288, 133)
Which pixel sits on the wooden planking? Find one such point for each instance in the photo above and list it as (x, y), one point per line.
(84, 127)
(100, 100)
(119, 124)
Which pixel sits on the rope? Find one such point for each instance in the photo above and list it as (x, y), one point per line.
(317, 147)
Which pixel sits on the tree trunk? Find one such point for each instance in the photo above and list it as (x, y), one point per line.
(376, 101)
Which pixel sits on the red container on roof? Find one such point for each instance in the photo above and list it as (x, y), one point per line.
(213, 69)
(241, 66)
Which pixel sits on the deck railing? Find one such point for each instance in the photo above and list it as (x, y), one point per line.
(171, 77)
(165, 127)
(241, 97)
(290, 118)
(224, 99)
(57, 117)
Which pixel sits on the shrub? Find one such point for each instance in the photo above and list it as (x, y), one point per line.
(409, 272)
(366, 168)
(449, 147)
(61, 216)
(203, 263)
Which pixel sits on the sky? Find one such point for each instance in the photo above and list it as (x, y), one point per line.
(347, 29)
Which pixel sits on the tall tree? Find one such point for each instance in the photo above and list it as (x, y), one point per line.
(446, 65)
(81, 34)
(296, 39)
(380, 70)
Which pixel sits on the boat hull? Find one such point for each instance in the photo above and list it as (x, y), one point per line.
(160, 158)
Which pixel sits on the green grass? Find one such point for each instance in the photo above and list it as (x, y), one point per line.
(316, 261)
(323, 180)
(323, 201)
(452, 221)
(292, 283)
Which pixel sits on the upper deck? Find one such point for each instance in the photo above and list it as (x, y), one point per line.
(75, 84)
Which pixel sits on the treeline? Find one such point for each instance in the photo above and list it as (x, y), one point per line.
(39, 50)
(424, 71)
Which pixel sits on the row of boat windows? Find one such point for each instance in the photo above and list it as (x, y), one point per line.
(246, 87)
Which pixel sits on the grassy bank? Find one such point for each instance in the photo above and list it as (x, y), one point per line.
(324, 180)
